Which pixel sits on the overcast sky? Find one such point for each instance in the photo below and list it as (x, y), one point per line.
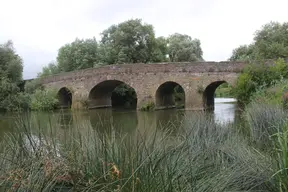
(39, 28)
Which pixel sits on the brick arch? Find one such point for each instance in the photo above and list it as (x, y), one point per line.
(164, 97)
(100, 95)
(64, 96)
(209, 93)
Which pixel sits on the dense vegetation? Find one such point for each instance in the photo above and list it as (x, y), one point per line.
(197, 155)
(11, 68)
(271, 42)
(12, 98)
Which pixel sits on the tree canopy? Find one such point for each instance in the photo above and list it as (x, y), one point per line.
(184, 48)
(80, 54)
(270, 42)
(11, 69)
(11, 66)
(131, 41)
(128, 42)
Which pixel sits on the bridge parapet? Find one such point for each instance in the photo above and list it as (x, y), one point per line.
(183, 67)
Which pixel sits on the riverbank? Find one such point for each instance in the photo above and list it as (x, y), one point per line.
(198, 155)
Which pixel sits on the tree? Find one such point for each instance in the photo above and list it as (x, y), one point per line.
(160, 52)
(270, 42)
(11, 69)
(11, 66)
(243, 53)
(184, 48)
(80, 54)
(51, 69)
(128, 42)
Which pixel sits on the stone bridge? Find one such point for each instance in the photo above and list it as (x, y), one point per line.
(153, 83)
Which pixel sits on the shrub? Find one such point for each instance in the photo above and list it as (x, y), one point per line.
(148, 106)
(259, 76)
(32, 86)
(44, 100)
(11, 99)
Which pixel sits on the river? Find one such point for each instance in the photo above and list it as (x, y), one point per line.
(224, 112)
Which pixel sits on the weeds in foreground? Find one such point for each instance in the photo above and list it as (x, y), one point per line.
(200, 156)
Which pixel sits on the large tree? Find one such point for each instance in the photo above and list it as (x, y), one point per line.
(270, 42)
(80, 54)
(183, 48)
(11, 69)
(11, 66)
(129, 42)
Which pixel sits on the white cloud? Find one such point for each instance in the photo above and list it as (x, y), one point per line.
(39, 28)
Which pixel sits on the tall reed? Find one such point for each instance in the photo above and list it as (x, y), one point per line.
(200, 156)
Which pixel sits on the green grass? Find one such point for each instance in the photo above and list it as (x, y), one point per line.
(271, 96)
(199, 156)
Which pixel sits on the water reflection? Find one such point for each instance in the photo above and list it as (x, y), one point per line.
(107, 120)
(224, 111)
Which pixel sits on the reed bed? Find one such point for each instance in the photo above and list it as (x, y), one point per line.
(200, 156)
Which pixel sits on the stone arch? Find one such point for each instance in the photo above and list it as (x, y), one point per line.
(65, 97)
(166, 97)
(209, 94)
(102, 95)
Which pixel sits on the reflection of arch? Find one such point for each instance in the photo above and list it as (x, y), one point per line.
(209, 94)
(170, 95)
(65, 98)
(106, 120)
(104, 94)
(65, 120)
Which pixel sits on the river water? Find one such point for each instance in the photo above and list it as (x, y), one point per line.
(103, 119)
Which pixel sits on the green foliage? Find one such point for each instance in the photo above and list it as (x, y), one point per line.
(80, 54)
(44, 100)
(11, 97)
(269, 134)
(280, 141)
(272, 95)
(243, 53)
(224, 90)
(51, 69)
(32, 86)
(124, 96)
(160, 51)
(270, 42)
(149, 106)
(10, 75)
(11, 66)
(184, 48)
(128, 42)
(258, 76)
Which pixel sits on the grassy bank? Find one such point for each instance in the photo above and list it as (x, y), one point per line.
(272, 95)
(200, 156)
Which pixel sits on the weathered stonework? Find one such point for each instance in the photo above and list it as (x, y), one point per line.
(146, 79)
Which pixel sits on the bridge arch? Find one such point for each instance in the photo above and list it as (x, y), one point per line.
(112, 93)
(64, 97)
(169, 95)
(209, 94)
